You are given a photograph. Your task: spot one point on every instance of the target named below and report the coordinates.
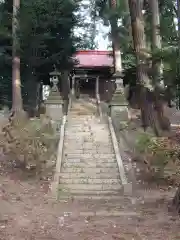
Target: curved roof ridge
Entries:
(94, 58)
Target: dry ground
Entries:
(28, 212)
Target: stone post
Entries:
(77, 88)
(119, 105)
(97, 86)
(73, 87)
(54, 102)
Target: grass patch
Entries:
(161, 155)
(29, 145)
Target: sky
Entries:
(102, 36)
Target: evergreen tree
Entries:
(45, 36)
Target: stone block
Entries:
(120, 112)
(54, 111)
(127, 189)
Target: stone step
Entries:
(80, 129)
(88, 197)
(88, 145)
(89, 139)
(54, 101)
(103, 133)
(88, 125)
(73, 115)
(87, 142)
(90, 192)
(83, 121)
(78, 135)
(74, 112)
(89, 156)
(89, 181)
(110, 213)
(91, 135)
(81, 132)
(90, 187)
(92, 132)
(89, 170)
(91, 149)
(86, 161)
(54, 97)
(87, 164)
(77, 175)
(81, 151)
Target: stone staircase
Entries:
(89, 167)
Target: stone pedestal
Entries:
(54, 105)
(118, 105)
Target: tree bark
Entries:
(148, 114)
(178, 67)
(164, 123)
(156, 37)
(115, 40)
(31, 88)
(127, 21)
(17, 105)
(65, 90)
(176, 200)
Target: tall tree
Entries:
(156, 37)
(143, 81)
(157, 66)
(45, 37)
(16, 81)
(178, 51)
(115, 37)
(176, 199)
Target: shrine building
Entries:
(93, 72)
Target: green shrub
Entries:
(158, 151)
(29, 144)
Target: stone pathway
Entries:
(89, 167)
(89, 172)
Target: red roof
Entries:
(93, 58)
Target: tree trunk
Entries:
(127, 22)
(17, 105)
(115, 40)
(164, 123)
(65, 90)
(178, 62)
(176, 200)
(148, 115)
(30, 92)
(156, 38)
(40, 99)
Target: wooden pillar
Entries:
(73, 86)
(97, 86)
(77, 88)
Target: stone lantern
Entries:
(119, 105)
(54, 102)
